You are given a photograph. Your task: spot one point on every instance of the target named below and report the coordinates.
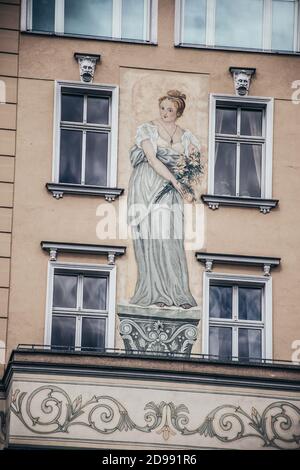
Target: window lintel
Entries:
(54, 248)
(209, 259)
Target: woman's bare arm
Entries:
(159, 167)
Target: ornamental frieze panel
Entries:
(50, 410)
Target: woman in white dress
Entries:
(162, 267)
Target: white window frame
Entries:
(112, 154)
(210, 27)
(150, 20)
(267, 156)
(79, 268)
(244, 280)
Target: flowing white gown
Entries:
(157, 227)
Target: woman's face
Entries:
(168, 111)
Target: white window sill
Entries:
(93, 38)
(58, 190)
(237, 49)
(264, 205)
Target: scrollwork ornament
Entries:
(158, 336)
(50, 410)
(228, 423)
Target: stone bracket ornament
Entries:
(53, 254)
(213, 205)
(111, 257)
(208, 265)
(87, 65)
(158, 330)
(267, 270)
(242, 79)
(158, 336)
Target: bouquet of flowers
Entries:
(187, 171)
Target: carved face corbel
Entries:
(242, 80)
(87, 65)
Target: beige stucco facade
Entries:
(9, 40)
(29, 66)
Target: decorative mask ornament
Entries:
(242, 78)
(87, 65)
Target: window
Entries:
(240, 155)
(132, 20)
(81, 308)
(237, 317)
(86, 137)
(249, 24)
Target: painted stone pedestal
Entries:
(154, 329)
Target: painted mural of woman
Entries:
(159, 146)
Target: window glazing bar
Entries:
(83, 157)
(59, 26)
(267, 25)
(147, 14)
(238, 165)
(210, 22)
(28, 6)
(117, 19)
(296, 27)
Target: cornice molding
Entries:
(209, 259)
(153, 368)
(54, 248)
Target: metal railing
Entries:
(164, 355)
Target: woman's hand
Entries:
(188, 197)
(178, 186)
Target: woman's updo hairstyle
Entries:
(178, 98)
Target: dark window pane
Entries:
(93, 333)
(239, 23)
(249, 344)
(98, 110)
(88, 17)
(72, 108)
(220, 302)
(65, 291)
(133, 19)
(63, 331)
(220, 342)
(250, 170)
(283, 24)
(250, 303)
(251, 122)
(225, 169)
(194, 22)
(96, 158)
(226, 121)
(43, 15)
(70, 156)
(94, 293)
